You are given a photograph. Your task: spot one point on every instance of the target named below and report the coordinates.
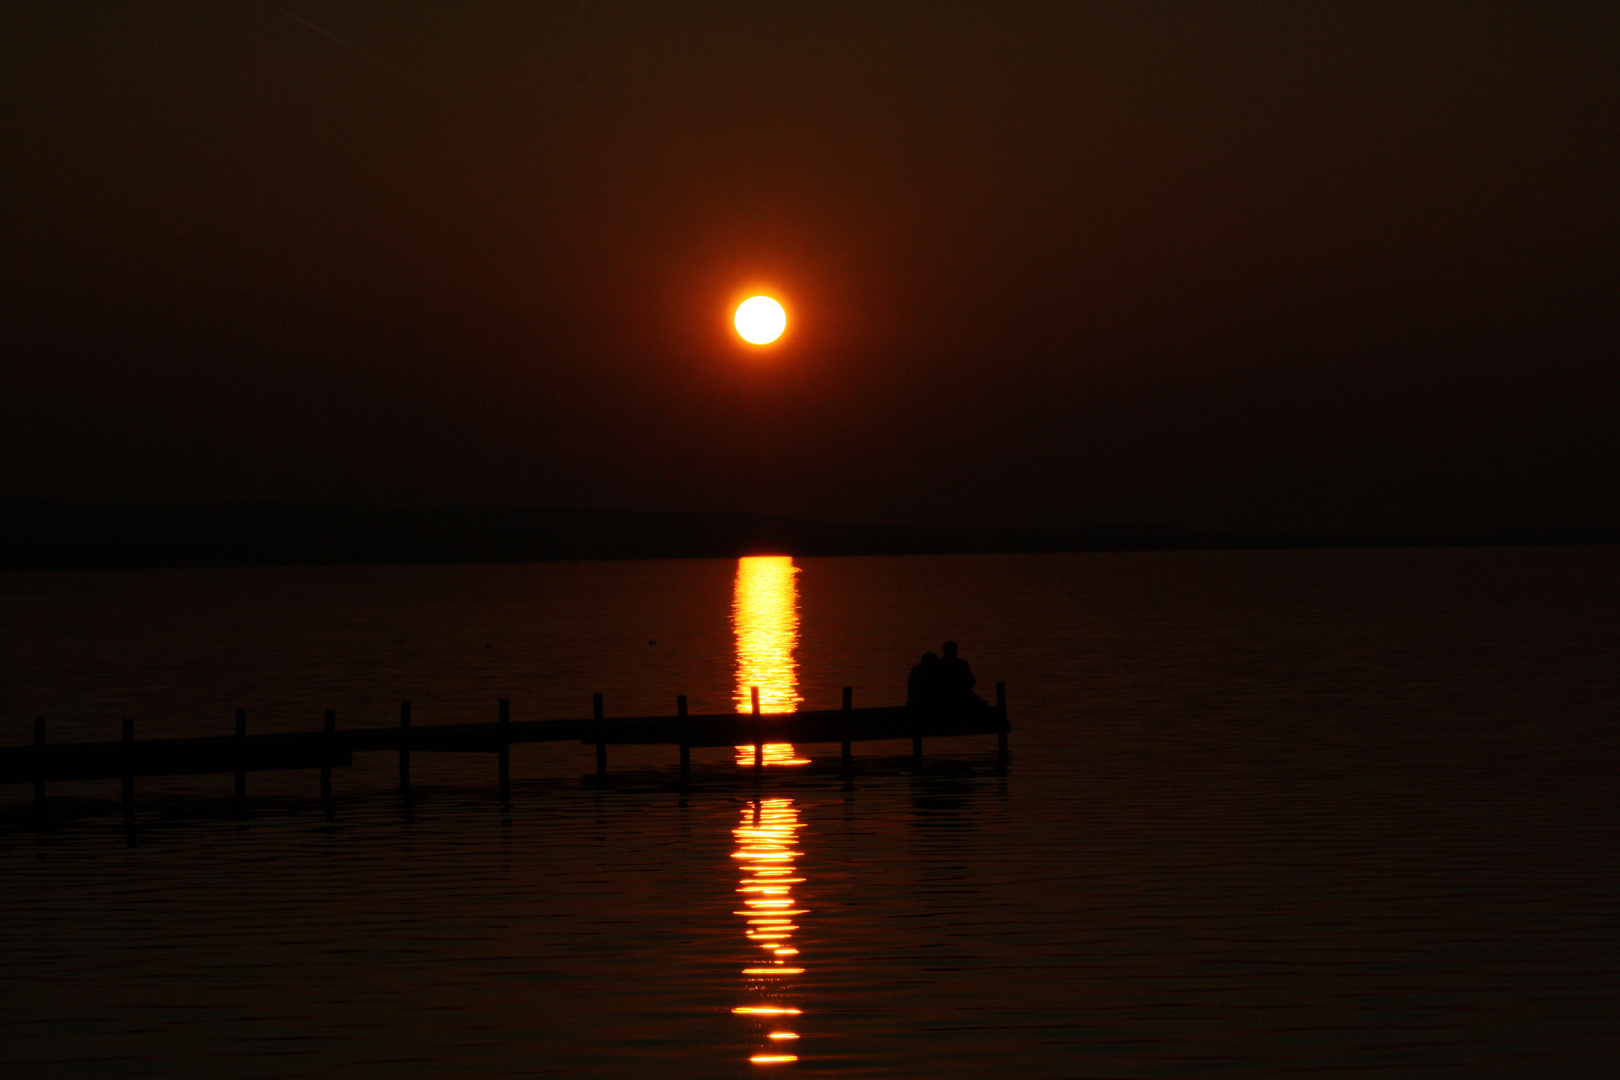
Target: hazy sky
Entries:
(1291, 265)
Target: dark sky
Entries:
(1267, 266)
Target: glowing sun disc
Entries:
(760, 320)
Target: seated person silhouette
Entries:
(925, 688)
(944, 684)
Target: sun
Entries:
(760, 320)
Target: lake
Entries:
(1266, 813)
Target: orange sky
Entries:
(1255, 266)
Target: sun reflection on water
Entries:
(765, 617)
(766, 848)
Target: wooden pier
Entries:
(331, 747)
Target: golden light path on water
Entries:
(765, 618)
(766, 840)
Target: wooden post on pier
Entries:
(1001, 713)
(39, 764)
(504, 768)
(759, 740)
(601, 747)
(329, 731)
(844, 756)
(686, 743)
(129, 768)
(405, 747)
(241, 762)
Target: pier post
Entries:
(844, 756)
(759, 741)
(39, 764)
(601, 747)
(129, 768)
(241, 762)
(405, 747)
(916, 751)
(686, 743)
(1001, 711)
(329, 733)
(504, 768)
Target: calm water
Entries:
(1266, 814)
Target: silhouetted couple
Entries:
(943, 684)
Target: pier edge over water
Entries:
(241, 753)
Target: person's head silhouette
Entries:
(950, 650)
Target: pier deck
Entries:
(331, 747)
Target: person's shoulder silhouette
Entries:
(957, 679)
(958, 675)
(925, 685)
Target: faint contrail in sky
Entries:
(327, 33)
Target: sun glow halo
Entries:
(760, 320)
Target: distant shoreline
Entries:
(39, 534)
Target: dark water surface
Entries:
(1266, 814)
